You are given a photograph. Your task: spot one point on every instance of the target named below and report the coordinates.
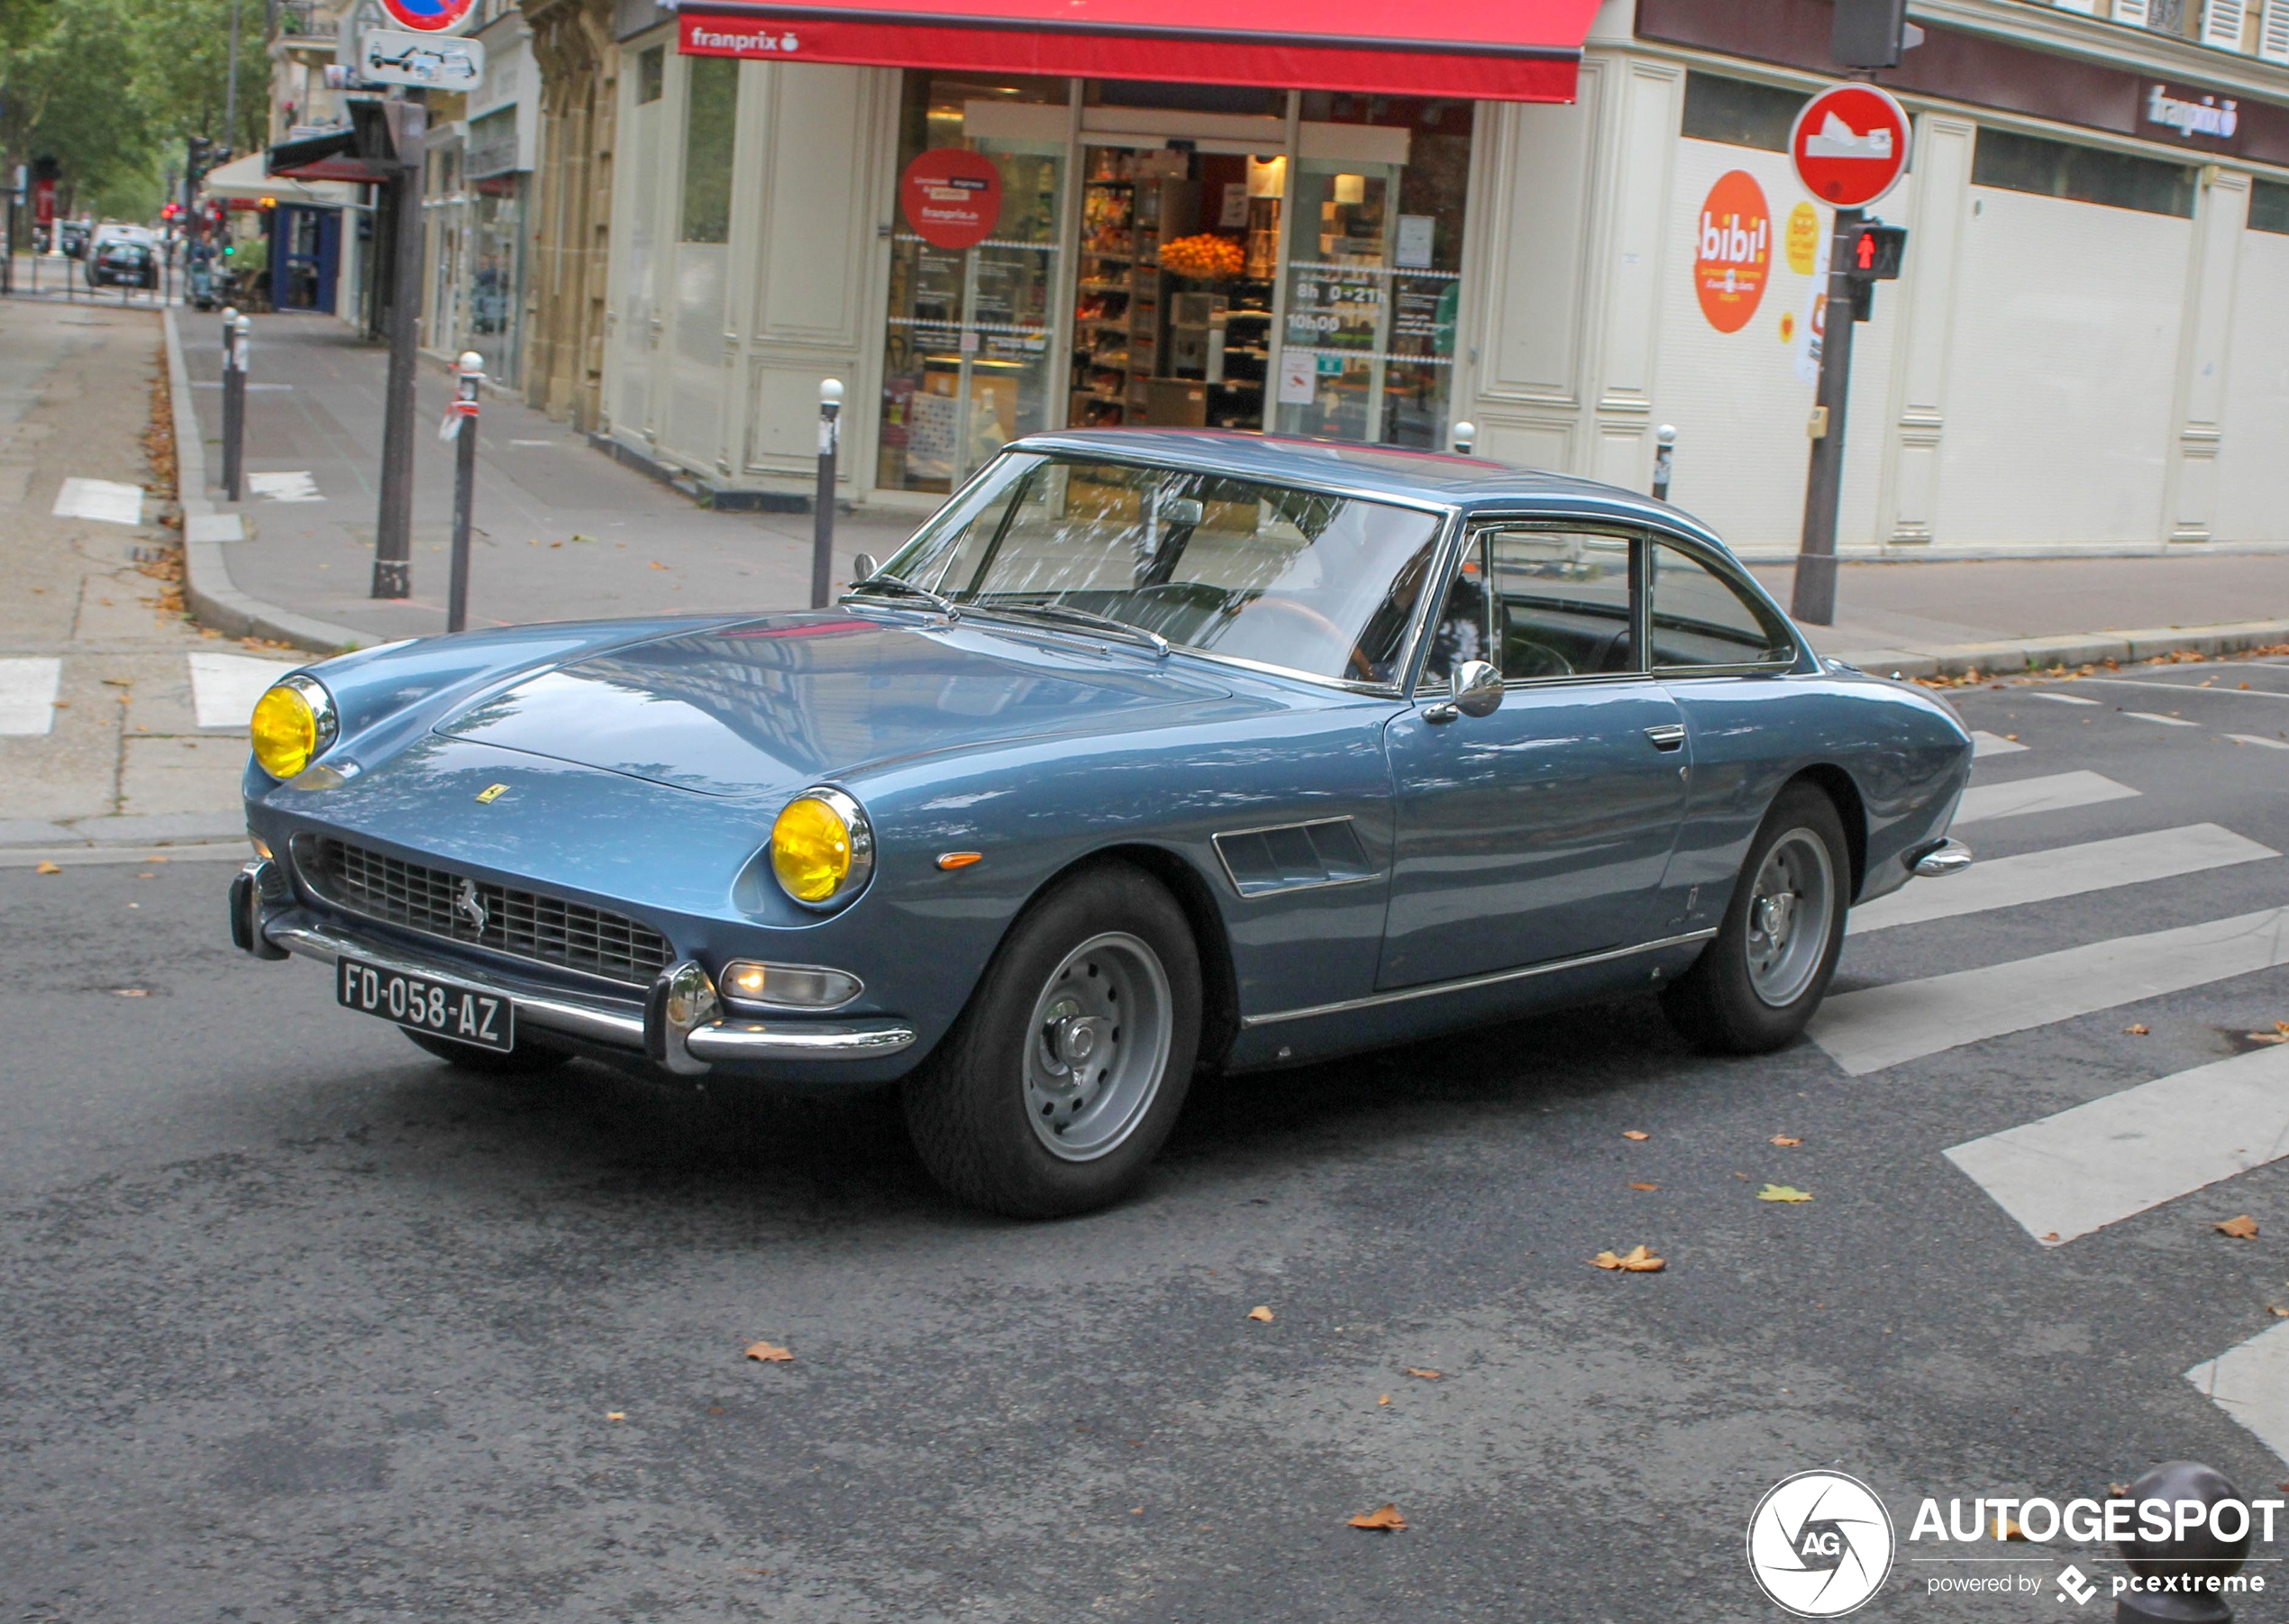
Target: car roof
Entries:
(1473, 484)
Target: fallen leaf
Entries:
(656, 564)
(1384, 1400)
(615, 1415)
(1428, 1375)
(2139, 1030)
(2013, 737)
(766, 1353)
(2118, 1491)
(1261, 1312)
(1784, 1142)
(2053, 1235)
(2279, 1034)
(1783, 1192)
(2242, 1228)
(131, 992)
(1631, 1132)
(1645, 1186)
(2277, 1311)
(48, 868)
(2012, 1531)
(1635, 1261)
(1383, 1518)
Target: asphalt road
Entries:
(301, 1325)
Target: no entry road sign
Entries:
(1850, 144)
(431, 16)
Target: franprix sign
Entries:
(1850, 145)
(952, 198)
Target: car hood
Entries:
(774, 704)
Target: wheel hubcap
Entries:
(1790, 912)
(1099, 1046)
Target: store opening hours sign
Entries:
(1850, 144)
(1733, 253)
(952, 198)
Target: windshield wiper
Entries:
(892, 585)
(1103, 622)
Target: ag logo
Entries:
(1820, 1544)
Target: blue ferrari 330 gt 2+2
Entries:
(1152, 754)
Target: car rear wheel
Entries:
(1056, 1088)
(526, 1060)
(1759, 981)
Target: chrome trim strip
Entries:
(1467, 983)
(618, 1024)
(759, 1040)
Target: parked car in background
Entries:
(123, 257)
(1153, 751)
(75, 237)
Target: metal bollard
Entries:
(2185, 1564)
(830, 436)
(1465, 435)
(460, 420)
(235, 342)
(1663, 460)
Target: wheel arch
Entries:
(1836, 784)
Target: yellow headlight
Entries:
(286, 731)
(821, 847)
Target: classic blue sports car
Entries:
(1151, 753)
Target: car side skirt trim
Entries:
(1402, 995)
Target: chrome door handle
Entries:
(1668, 736)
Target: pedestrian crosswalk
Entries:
(2074, 1173)
(28, 695)
(224, 689)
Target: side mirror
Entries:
(1473, 690)
(864, 568)
(1182, 512)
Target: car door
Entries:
(1541, 830)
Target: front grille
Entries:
(525, 925)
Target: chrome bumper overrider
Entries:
(1938, 861)
(640, 1024)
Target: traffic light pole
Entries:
(1813, 600)
(394, 523)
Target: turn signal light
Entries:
(787, 986)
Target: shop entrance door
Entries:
(1173, 289)
(309, 251)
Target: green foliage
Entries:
(113, 88)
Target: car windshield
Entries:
(1283, 576)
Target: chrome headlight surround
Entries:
(857, 831)
(325, 717)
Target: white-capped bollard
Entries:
(830, 438)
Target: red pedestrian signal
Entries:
(1876, 251)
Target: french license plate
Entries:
(427, 1005)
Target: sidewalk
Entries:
(565, 532)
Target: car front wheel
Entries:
(1058, 1085)
(1757, 983)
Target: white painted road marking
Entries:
(1881, 1026)
(2061, 698)
(1992, 743)
(2258, 738)
(297, 487)
(114, 504)
(2148, 715)
(2053, 793)
(2251, 1385)
(225, 687)
(28, 695)
(213, 527)
(2061, 872)
(2098, 1163)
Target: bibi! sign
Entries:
(1733, 250)
(1850, 144)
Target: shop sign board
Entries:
(431, 16)
(952, 198)
(1733, 253)
(387, 57)
(1850, 144)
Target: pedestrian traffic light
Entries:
(1875, 253)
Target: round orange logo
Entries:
(1733, 251)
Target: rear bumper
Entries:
(268, 922)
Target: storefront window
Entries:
(495, 281)
(966, 361)
(1374, 269)
(710, 117)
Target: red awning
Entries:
(1512, 51)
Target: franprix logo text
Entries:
(740, 42)
(2210, 116)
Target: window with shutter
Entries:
(2273, 32)
(2088, 8)
(2130, 12)
(2221, 23)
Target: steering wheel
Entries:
(1360, 666)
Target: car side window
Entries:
(1559, 604)
(1700, 619)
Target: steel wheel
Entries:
(1100, 1046)
(1789, 914)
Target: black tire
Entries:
(1717, 1004)
(528, 1058)
(969, 1106)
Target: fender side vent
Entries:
(1293, 857)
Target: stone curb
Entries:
(214, 598)
(2041, 654)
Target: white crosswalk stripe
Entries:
(1984, 744)
(2061, 871)
(104, 499)
(2148, 716)
(2060, 699)
(2250, 1382)
(28, 695)
(225, 687)
(2258, 738)
(1881, 1027)
(2099, 1162)
(2053, 793)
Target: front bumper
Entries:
(268, 922)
